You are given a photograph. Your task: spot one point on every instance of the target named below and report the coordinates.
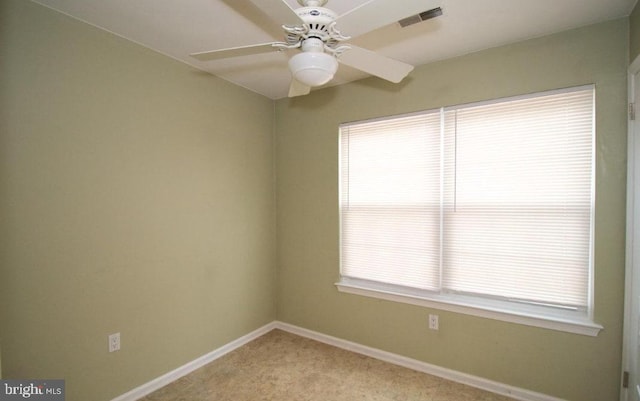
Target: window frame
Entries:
(531, 314)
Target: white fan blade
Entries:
(235, 52)
(375, 64)
(297, 88)
(279, 11)
(378, 13)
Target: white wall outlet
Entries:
(433, 322)
(114, 342)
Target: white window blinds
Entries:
(390, 200)
(488, 200)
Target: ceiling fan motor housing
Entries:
(317, 19)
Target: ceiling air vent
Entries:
(423, 16)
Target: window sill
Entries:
(481, 308)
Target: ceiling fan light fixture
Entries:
(313, 30)
(313, 68)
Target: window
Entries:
(484, 208)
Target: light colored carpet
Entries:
(280, 366)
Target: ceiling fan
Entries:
(312, 29)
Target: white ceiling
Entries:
(177, 28)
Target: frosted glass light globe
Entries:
(313, 68)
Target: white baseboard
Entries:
(455, 376)
(184, 370)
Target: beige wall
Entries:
(135, 197)
(569, 366)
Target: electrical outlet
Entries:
(114, 342)
(433, 322)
